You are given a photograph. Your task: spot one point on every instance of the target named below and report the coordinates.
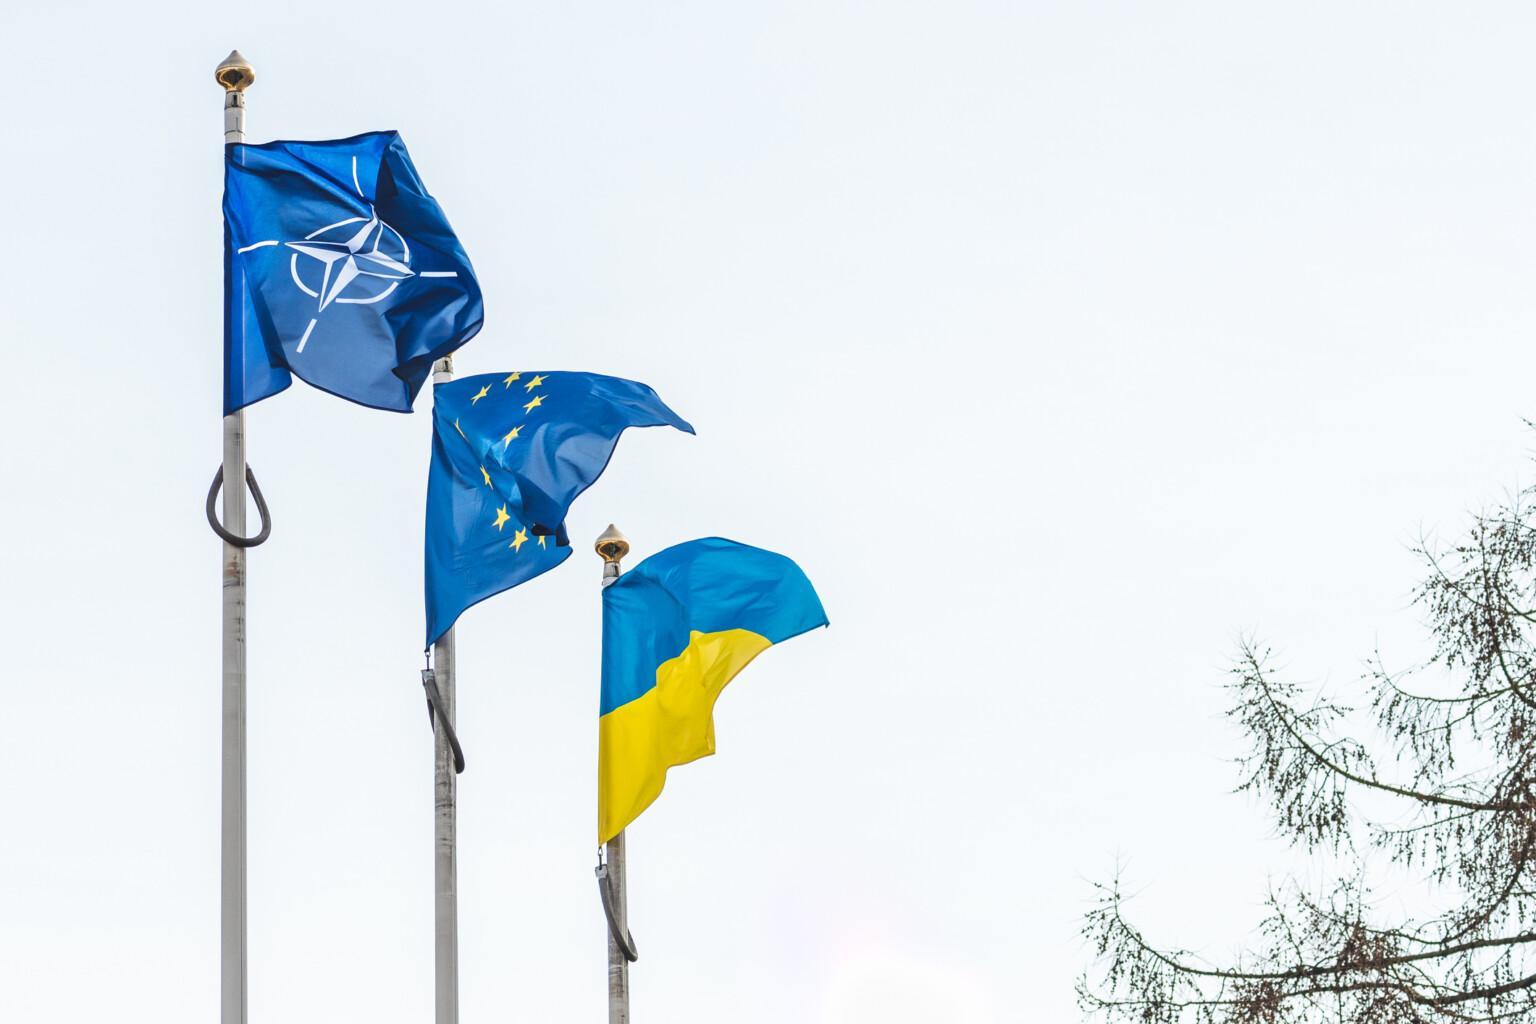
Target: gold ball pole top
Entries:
(611, 545)
(235, 74)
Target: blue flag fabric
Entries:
(340, 268)
(510, 453)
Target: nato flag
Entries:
(338, 267)
(510, 453)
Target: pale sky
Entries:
(1061, 344)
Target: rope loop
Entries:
(434, 703)
(621, 936)
(261, 508)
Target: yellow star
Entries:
(518, 540)
(541, 540)
(538, 400)
(507, 381)
(537, 380)
(482, 394)
(486, 475)
(501, 517)
(459, 429)
(512, 434)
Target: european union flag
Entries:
(510, 453)
(338, 267)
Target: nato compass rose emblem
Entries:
(356, 261)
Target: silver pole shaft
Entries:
(445, 869)
(232, 908)
(618, 964)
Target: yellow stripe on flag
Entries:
(670, 724)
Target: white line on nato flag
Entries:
(257, 245)
(305, 340)
(438, 273)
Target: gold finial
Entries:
(235, 74)
(611, 545)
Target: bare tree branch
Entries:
(1471, 831)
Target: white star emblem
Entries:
(349, 259)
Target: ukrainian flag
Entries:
(676, 629)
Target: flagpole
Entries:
(612, 547)
(235, 74)
(445, 870)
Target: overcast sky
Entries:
(1061, 344)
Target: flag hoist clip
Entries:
(261, 508)
(435, 701)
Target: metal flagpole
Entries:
(235, 74)
(612, 546)
(445, 871)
